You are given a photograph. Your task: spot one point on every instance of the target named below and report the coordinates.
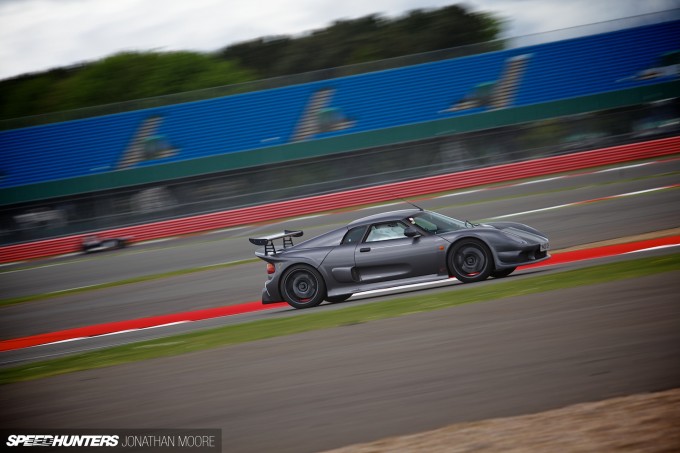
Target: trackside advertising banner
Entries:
(113, 440)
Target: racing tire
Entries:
(503, 272)
(302, 287)
(338, 299)
(470, 261)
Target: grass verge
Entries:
(127, 281)
(316, 320)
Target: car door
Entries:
(338, 266)
(387, 254)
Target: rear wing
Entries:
(268, 241)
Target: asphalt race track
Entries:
(358, 383)
(363, 382)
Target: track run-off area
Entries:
(364, 379)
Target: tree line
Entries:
(137, 75)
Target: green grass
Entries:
(127, 281)
(321, 319)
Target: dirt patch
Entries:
(645, 423)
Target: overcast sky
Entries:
(36, 35)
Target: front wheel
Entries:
(470, 261)
(303, 287)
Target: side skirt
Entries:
(392, 284)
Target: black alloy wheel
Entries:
(303, 287)
(470, 260)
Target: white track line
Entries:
(460, 193)
(549, 208)
(227, 230)
(658, 247)
(110, 334)
(380, 206)
(577, 203)
(630, 194)
(540, 181)
(625, 167)
(314, 216)
(156, 241)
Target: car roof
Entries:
(385, 217)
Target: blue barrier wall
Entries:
(422, 93)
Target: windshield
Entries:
(436, 223)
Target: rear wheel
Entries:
(470, 261)
(503, 272)
(303, 287)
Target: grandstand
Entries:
(413, 104)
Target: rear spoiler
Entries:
(268, 241)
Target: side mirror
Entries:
(412, 232)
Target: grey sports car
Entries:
(390, 249)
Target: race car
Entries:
(392, 249)
(94, 243)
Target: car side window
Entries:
(386, 231)
(425, 225)
(354, 235)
